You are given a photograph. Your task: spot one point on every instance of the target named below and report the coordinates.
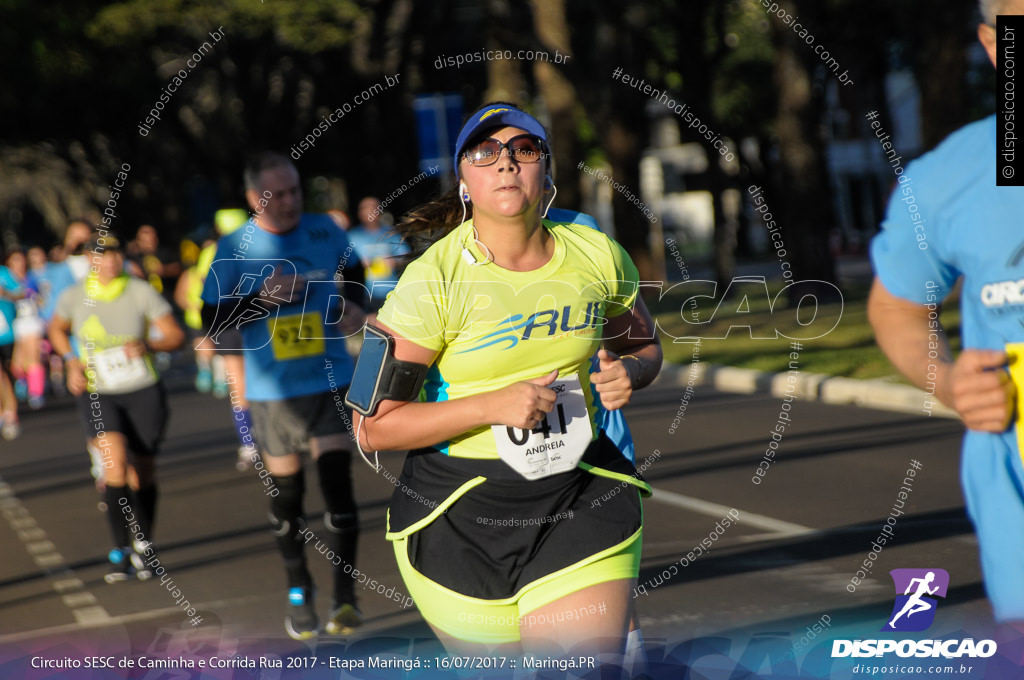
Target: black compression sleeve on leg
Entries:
(286, 521)
(146, 497)
(341, 519)
(116, 498)
(335, 471)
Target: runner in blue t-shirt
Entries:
(49, 279)
(10, 291)
(381, 249)
(947, 220)
(292, 285)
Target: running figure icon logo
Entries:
(914, 610)
(273, 283)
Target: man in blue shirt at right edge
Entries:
(947, 219)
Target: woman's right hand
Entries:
(524, 404)
(75, 376)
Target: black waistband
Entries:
(602, 452)
(429, 478)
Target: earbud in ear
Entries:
(548, 182)
(464, 190)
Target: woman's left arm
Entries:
(631, 357)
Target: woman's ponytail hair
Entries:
(422, 226)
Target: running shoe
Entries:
(244, 460)
(138, 562)
(11, 429)
(120, 565)
(204, 380)
(36, 403)
(343, 620)
(220, 389)
(162, 361)
(301, 622)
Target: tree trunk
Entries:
(941, 71)
(624, 147)
(559, 96)
(804, 207)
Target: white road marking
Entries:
(68, 585)
(80, 601)
(23, 523)
(777, 527)
(50, 560)
(35, 534)
(90, 616)
(40, 547)
(102, 619)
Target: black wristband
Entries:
(639, 368)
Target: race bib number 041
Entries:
(557, 443)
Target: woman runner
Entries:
(492, 519)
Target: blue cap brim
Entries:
(492, 117)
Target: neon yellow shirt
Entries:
(196, 280)
(492, 327)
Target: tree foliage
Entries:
(88, 72)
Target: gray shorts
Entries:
(285, 426)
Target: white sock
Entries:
(218, 368)
(97, 460)
(634, 661)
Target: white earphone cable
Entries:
(376, 454)
(554, 192)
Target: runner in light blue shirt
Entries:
(381, 250)
(948, 221)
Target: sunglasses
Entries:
(521, 148)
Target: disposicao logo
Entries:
(914, 610)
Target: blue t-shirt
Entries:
(8, 310)
(291, 349)
(377, 250)
(49, 282)
(948, 220)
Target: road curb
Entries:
(878, 394)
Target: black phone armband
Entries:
(379, 375)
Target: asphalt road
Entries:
(802, 533)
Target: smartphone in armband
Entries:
(379, 375)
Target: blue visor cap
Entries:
(497, 116)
